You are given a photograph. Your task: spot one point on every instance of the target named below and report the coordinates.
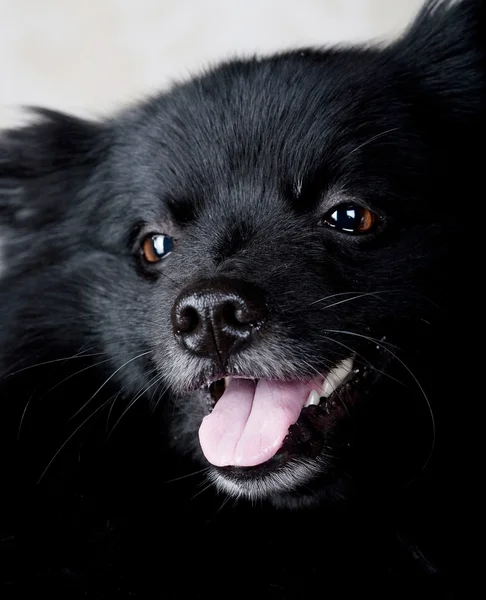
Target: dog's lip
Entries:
(229, 374)
(320, 385)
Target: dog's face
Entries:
(283, 263)
(264, 247)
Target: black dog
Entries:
(250, 288)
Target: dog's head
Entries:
(270, 245)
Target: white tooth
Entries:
(337, 376)
(312, 399)
(226, 382)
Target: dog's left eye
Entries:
(155, 247)
(351, 218)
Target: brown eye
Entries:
(351, 219)
(155, 247)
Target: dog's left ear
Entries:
(442, 58)
(44, 165)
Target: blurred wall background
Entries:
(92, 56)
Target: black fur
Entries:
(100, 405)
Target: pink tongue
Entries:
(250, 421)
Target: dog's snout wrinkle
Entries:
(214, 317)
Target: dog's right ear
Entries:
(443, 56)
(44, 166)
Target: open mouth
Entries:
(252, 421)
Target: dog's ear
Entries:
(443, 58)
(44, 165)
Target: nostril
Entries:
(229, 314)
(237, 314)
(187, 320)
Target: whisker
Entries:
(188, 475)
(328, 363)
(53, 388)
(132, 402)
(372, 139)
(145, 374)
(338, 393)
(101, 362)
(204, 489)
(55, 360)
(355, 297)
(223, 504)
(108, 379)
(23, 414)
(110, 410)
(365, 360)
(63, 445)
(160, 395)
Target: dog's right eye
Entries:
(350, 218)
(156, 246)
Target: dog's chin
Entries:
(281, 482)
(306, 466)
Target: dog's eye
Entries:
(350, 218)
(157, 246)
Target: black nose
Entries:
(213, 317)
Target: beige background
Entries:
(92, 56)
